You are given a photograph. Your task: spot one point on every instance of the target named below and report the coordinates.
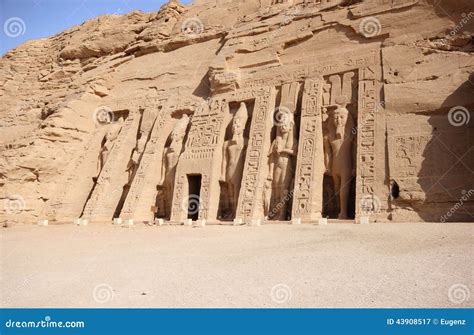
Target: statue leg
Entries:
(337, 188)
(102, 159)
(344, 195)
(279, 189)
(286, 195)
(168, 194)
(233, 194)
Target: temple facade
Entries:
(297, 111)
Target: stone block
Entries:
(364, 220)
(238, 222)
(200, 223)
(296, 221)
(43, 222)
(255, 223)
(128, 223)
(323, 222)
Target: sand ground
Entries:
(339, 265)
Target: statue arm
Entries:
(272, 148)
(327, 155)
(295, 147)
(271, 168)
(294, 150)
(291, 152)
(224, 163)
(99, 163)
(163, 169)
(271, 162)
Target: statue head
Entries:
(286, 120)
(179, 130)
(240, 120)
(340, 117)
(342, 120)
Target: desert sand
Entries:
(272, 266)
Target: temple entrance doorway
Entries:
(194, 199)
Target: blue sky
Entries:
(23, 20)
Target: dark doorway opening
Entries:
(395, 190)
(194, 199)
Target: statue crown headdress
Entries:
(181, 125)
(242, 114)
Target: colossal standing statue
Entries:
(108, 143)
(135, 158)
(233, 157)
(171, 156)
(282, 158)
(339, 153)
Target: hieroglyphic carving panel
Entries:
(205, 196)
(346, 62)
(414, 158)
(307, 203)
(201, 156)
(366, 134)
(203, 136)
(179, 208)
(250, 204)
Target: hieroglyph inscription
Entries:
(307, 202)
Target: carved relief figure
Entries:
(135, 158)
(282, 158)
(171, 156)
(233, 157)
(339, 153)
(108, 143)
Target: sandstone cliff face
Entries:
(412, 63)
